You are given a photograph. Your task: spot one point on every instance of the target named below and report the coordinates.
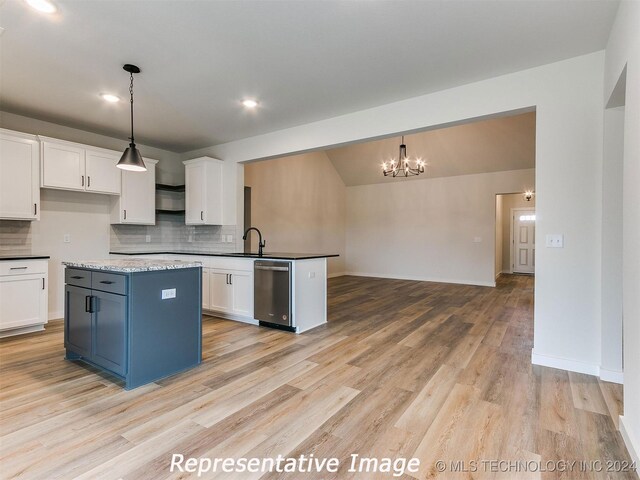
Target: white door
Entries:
(102, 174)
(62, 166)
(138, 197)
(19, 178)
(524, 247)
(242, 288)
(206, 289)
(220, 289)
(195, 184)
(22, 301)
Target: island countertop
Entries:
(132, 265)
(265, 256)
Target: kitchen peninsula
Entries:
(230, 286)
(139, 319)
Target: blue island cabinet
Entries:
(140, 326)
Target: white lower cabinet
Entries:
(230, 291)
(23, 296)
(242, 293)
(220, 288)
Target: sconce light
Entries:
(528, 195)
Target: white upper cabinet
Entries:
(204, 191)
(72, 166)
(19, 176)
(137, 201)
(102, 174)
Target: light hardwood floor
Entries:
(402, 369)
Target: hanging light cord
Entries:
(131, 93)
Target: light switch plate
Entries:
(554, 240)
(66, 238)
(477, 239)
(229, 238)
(168, 293)
(312, 274)
(147, 238)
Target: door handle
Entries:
(227, 279)
(125, 214)
(35, 208)
(231, 279)
(43, 283)
(82, 180)
(88, 181)
(201, 215)
(87, 303)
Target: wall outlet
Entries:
(168, 293)
(312, 274)
(190, 239)
(554, 240)
(229, 238)
(147, 238)
(66, 238)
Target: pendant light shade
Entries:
(131, 159)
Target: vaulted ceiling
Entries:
(494, 145)
(303, 60)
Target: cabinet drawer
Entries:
(109, 282)
(77, 277)
(23, 267)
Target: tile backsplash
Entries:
(171, 234)
(15, 237)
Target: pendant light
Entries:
(131, 159)
(403, 167)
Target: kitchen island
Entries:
(138, 319)
(229, 283)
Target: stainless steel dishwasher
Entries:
(272, 294)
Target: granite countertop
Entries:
(132, 265)
(266, 256)
(23, 257)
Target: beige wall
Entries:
(298, 203)
(515, 200)
(440, 229)
(498, 250)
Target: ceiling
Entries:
(498, 144)
(304, 60)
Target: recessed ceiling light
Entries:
(110, 98)
(44, 6)
(250, 103)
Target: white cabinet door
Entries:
(62, 166)
(137, 203)
(102, 174)
(23, 301)
(242, 293)
(220, 289)
(206, 288)
(19, 177)
(195, 184)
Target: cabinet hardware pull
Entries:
(88, 181)
(35, 208)
(201, 215)
(231, 279)
(82, 177)
(106, 282)
(18, 268)
(87, 303)
(125, 214)
(43, 283)
(76, 277)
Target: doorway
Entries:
(523, 243)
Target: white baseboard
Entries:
(564, 364)
(612, 376)
(336, 274)
(630, 440)
(56, 315)
(422, 279)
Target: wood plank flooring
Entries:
(403, 369)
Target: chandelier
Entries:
(403, 167)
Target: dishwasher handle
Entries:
(275, 269)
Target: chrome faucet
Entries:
(261, 243)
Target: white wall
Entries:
(569, 106)
(498, 267)
(611, 367)
(425, 229)
(623, 49)
(299, 205)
